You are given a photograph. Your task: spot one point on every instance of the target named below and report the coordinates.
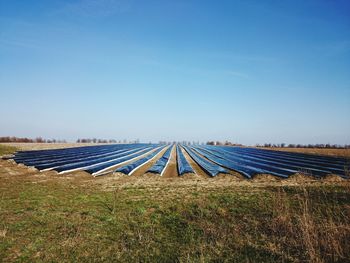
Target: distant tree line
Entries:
(181, 142)
(201, 143)
(95, 140)
(42, 140)
(318, 146)
(283, 145)
(28, 140)
(227, 143)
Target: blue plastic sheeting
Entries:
(269, 167)
(306, 157)
(162, 162)
(294, 157)
(322, 158)
(75, 152)
(29, 159)
(101, 168)
(299, 166)
(316, 163)
(32, 158)
(315, 167)
(183, 166)
(266, 166)
(247, 161)
(73, 156)
(127, 169)
(66, 150)
(210, 168)
(52, 153)
(45, 160)
(101, 161)
(79, 160)
(246, 170)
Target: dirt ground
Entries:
(9, 170)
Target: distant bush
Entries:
(315, 146)
(95, 140)
(227, 143)
(28, 140)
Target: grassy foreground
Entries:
(51, 218)
(64, 222)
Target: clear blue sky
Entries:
(245, 71)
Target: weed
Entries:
(69, 221)
(5, 149)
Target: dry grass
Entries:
(7, 149)
(117, 218)
(344, 153)
(49, 217)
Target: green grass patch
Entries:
(53, 221)
(5, 149)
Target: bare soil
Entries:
(171, 169)
(9, 170)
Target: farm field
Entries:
(175, 131)
(344, 153)
(202, 160)
(47, 216)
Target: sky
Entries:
(245, 71)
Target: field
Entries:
(45, 216)
(198, 159)
(345, 153)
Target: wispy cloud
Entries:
(97, 8)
